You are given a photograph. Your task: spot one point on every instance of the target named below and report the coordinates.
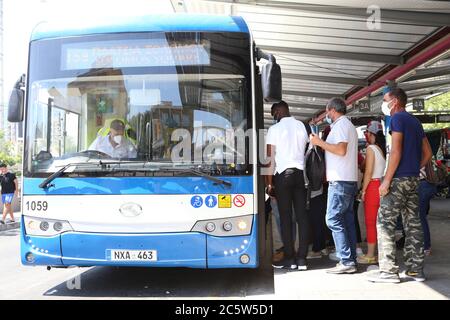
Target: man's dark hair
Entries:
(400, 95)
(272, 109)
(337, 104)
(3, 165)
(278, 105)
(117, 125)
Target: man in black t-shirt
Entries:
(8, 182)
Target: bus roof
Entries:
(161, 23)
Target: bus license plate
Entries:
(133, 255)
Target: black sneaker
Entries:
(342, 269)
(285, 264)
(414, 275)
(301, 265)
(384, 277)
(2, 222)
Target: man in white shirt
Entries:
(341, 156)
(286, 142)
(115, 144)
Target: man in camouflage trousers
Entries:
(399, 192)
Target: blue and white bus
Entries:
(157, 75)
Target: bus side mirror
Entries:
(271, 80)
(16, 101)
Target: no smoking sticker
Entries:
(239, 200)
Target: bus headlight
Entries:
(227, 226)
(31, 225)
(210, 227)
(45, 227)
(58, 226)
(29, 257)
(243, 223)
(245, 258)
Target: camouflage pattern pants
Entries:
(402, 199)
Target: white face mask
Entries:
(385, 108)
(117, 139)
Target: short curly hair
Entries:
(337, 104)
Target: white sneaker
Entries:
(333, 256)
(314, 255)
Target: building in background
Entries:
(12, 131)
(3, 119)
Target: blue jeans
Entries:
(340, 219)
(426, 192)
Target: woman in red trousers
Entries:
(374, 171)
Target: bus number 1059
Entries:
(37, 205)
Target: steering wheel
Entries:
(97, 154)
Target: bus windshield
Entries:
(152, 97)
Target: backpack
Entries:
(435, 174)
(314, 169)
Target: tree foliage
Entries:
(438, 103)
(9, 154)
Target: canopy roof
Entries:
(330, 48)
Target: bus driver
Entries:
(115, 144)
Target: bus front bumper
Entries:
(187, 249)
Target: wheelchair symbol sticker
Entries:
(210, 201)
(196, 201)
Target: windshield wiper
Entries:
(207, 176)
(201, 174)
(163, 166)
(46, 183)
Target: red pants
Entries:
(371, 206)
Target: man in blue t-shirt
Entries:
(410, 151)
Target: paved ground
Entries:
(317, 284)
(18, 282)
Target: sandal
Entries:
(367, 260)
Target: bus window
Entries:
(64, 132)
(157, 84)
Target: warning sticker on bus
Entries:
(224, 200)
(239, 200)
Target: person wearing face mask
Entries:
(341, 157)
(115, 144)
(279, 253)
(410, 150)
(374, 168)
(286, 144)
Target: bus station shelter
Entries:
(352, 49)
(348, 49)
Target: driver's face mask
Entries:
(118, 139)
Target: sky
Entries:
(21, 16)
